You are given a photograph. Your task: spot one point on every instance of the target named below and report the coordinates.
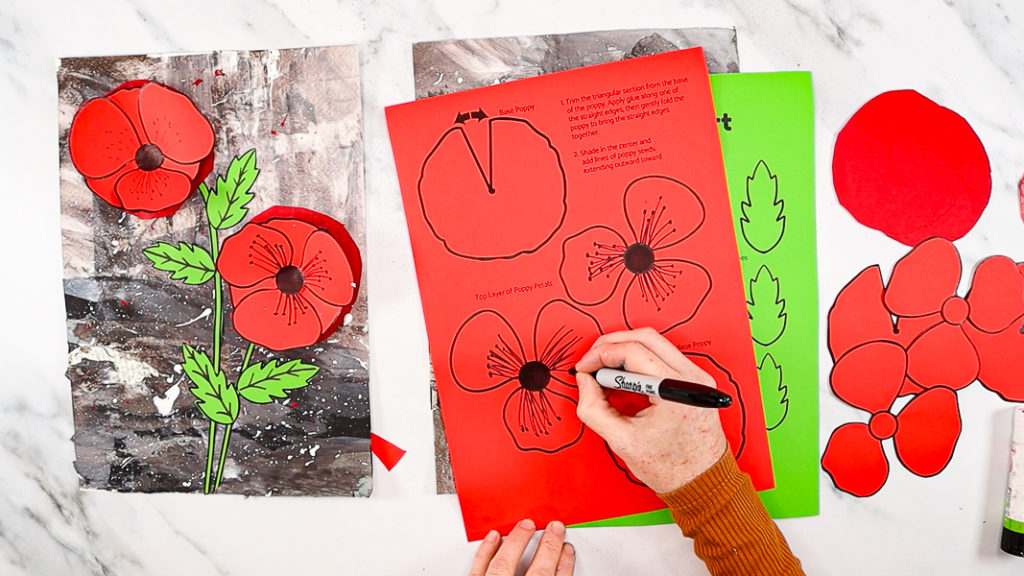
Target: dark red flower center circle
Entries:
(882, 425)
(289, 280)
(149, 157)
(639, 258)
(955, 310)
(534, 376)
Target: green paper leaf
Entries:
(226, 204)
(766, 307)
(261, 383)
(214, 396)
(763, 222)
(189, 263)
(774, 393)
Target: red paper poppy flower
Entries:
(950, 341)
(143, 148)
(293, 274)
(924, 432)
(540, 409)
(644, 253)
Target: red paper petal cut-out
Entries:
(929, 427)
(662, 211)
(541, 420)
(171, 121)
(923, 279)
(102, 139)
(486, 353)
(385, 451)
(855, 460)
(1002, 370)
(870, 376)
(592, 264)
(139, 190)
(472, 186)
(858, 315)
(265, 249)
(275, 320)
(997, 294)
(326, 270)
(942, 356)
(911, 169)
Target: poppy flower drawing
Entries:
(924, 432)
(292, 274)
(643, 255)
(489, 357)
(143, 147)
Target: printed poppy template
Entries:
(539, 411)
(643, 255)
(917, 337)
(142, 147)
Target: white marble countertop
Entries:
(965, 55)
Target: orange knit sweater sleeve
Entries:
(732, 532)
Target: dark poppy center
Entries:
(534, 376)
(149, 157)
(639, 258)
(289, 280)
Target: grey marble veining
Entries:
(963, 54)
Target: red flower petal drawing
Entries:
(858, 314)
(472, 185)
(143, 148)
(539, 411)
(869, 376)
(293, 274)
(1000, 356)
(644, 255)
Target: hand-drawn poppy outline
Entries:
(586, 258)
(293, 274)
(481, 231)
(925, 432)
(537, 378)
(142, 147)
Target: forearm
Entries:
(732, 532)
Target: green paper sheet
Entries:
(766, 124)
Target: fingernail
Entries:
(491, 536)
(556, 528)
(568, 549)
(528, 524)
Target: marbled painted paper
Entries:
(213, 226)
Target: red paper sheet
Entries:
(542, 213)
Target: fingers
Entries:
(644, 351)
(549, 550)
(484, 553)
(594, 409)
(567, 561)
(511, 550)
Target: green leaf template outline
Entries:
(763, 222)
(772, 387)
(766, 307)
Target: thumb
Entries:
(596, 412)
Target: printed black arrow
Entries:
(461, 117)
(479, 114)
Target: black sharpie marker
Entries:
(690, 393)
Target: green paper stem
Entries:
(209, 457)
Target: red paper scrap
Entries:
(385, 451)
(911, 169)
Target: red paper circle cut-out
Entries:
(911, 169)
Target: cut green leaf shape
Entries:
(766, 307)
(262, 383)
(214, 396)
(226, 203)
(189, 263)
(763, 222)
(774, 392)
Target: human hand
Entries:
(553, 555)
(667, 444)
